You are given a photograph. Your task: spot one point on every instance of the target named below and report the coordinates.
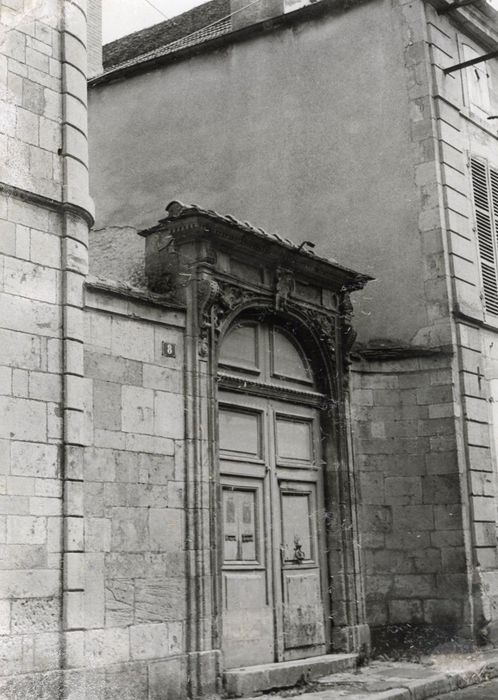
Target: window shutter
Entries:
(485, 204)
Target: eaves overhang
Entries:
(158, 58)
(191, 222)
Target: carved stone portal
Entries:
(223, 271)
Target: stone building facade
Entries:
(46, 211)
(192, 473)
(384, 153)
(112, 501)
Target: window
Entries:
(485, 194)
(477, 83)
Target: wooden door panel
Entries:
(241, 541)
(303, 610)
(247, 619)
(240, 433)
(274, 570)
(302, 603)
(294, 439)
(297, 537)
(247, 607)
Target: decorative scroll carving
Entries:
(207, 292)
(218, 299)
(284, 288)
(215, 301)
(230, 297)
(325, 328)
(347, 332)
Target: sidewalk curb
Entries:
(439, 685)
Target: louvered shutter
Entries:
(485, 205)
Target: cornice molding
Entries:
(283, 393)
(380, 353)
(46, 202)
(121, 289)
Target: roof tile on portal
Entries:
(177, 210)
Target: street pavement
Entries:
(438, 677)
(484, 691)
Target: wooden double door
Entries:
(274, 575)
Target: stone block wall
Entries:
(464, 132)
(413, 511)
(44, 214)
(134, 606)
(30, 440)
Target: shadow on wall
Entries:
(117, 253)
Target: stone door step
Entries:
(242, 682)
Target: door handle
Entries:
(299, 555)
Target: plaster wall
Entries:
(304, 130)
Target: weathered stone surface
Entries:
(137, 410)
(167, 679)
(149, 641)
(32, 459)
(166, 530)
(106, 646)
(106, 405)
(47, 651)
(35, 615)
(126, 682)
(108, 368)
(119, 602)
(94, 605)
(29, 584)
(124, 565)
(97, 535)
(23, 556)
(155, 469)
(159, 599)
(129, 530)
(94, 499)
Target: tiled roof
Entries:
(178, 210)
(200, 24)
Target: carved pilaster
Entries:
(207, 291)
(348, 334)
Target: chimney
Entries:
(264, 9)
(94, 40)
